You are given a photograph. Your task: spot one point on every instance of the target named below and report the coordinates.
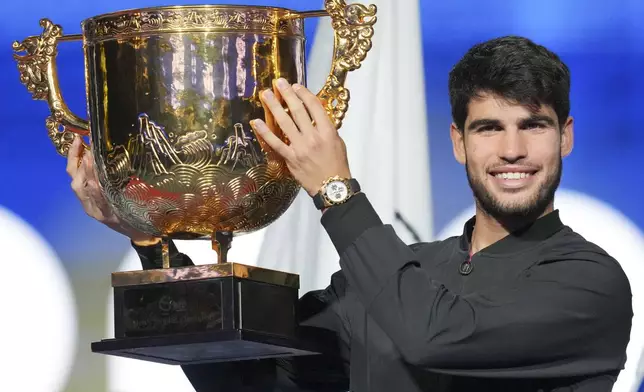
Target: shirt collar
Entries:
(534, 233)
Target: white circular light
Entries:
(39, 327)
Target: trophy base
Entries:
(210, 313)
(204, 347)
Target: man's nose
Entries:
(512, 147)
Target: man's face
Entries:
(512, 155)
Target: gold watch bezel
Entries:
(328, 202)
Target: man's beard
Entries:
(529, 209)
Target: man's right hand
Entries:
(80, 167)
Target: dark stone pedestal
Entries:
(210, 313)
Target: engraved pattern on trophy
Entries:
(38, 74)
(264, 20)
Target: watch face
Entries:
(337, 191)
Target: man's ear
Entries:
(567, 137)
(458, 143)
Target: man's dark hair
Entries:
(514, 68)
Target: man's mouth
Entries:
(513, 177)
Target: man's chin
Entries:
(511, 198)
(515, 201)
(514, 210)
(515, 206)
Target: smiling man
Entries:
(518, 302)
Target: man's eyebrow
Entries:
(537, 118)
(522, 123)
(483, 121)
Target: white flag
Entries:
(385, 131)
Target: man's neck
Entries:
(489, 230)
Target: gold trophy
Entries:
(171, 92)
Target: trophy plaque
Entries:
(170, 95)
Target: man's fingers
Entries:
(314, 107)
(73, 155)
(282, 118)
(80, 166)
(295, 106)
(271, 139)
(88, 163)
(79, 183)
(80, 179)
(88, 193)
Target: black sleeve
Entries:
(567, 317)
(321, 320)
(150, 256)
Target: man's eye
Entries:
(535, 125)
(489, 128)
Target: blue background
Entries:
(601, 41)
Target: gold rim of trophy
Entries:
(287, 14)
(290, 14)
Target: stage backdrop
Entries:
(58, 295)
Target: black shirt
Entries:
(540, 310)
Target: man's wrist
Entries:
(346, 222)
(334, 191)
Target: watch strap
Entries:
(318, 200)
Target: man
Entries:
(518, 302)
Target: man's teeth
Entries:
(512, 176)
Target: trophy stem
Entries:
(165, 252)
(221, 243)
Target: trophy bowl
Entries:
(170, 94)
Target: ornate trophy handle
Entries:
(353, 26)
(38, 73)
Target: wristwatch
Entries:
(334, 191)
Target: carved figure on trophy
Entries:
(155, 154)
(151, 149)
(239, 148)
